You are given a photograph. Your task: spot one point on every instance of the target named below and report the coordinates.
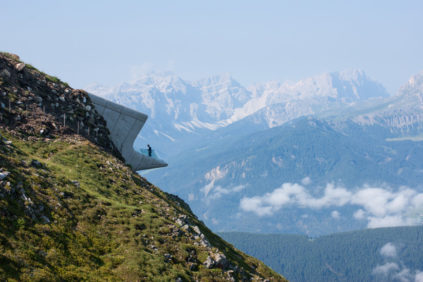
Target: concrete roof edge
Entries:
(117, 107)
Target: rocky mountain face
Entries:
(177, 110)
(38, 104)
(72, 210)
(182, 113)
(401, 114)
(279, 103)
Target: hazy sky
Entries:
(255, 41)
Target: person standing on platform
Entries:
(149, 150)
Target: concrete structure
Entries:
(124, 125)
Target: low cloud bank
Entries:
(381, 207)
(395, 270)
(389, 250)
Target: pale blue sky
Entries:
(255, 41)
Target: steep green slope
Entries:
(72, 210)
(350, 256)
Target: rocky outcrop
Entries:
(30, 100)
(37, 105)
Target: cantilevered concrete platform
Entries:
(124, 125)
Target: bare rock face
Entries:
(41, 106)
(5, 73)
(220, 260)
(209, 262)
(19, 66)
(4, 174)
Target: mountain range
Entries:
(330, 153)
(182, 111)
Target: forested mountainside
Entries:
(383, 254)
(307, 176)
(72, 210)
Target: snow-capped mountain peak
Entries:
(413, 86)
(178, 107)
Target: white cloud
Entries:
(332, 197)
(238, 188)
(359, 214)
(390, 221)
(254, 205)
(381, 207)
(306, 181)
(385, 269)
(379, 201)
(404, 275)
(395, 270)
(218, 192)
(335, 214)
(391, 271)
(191, 197)
(419, 276)
(388, 250)
(206, 189)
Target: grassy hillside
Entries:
(349, 256)
(72, 210)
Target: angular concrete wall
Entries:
(124, 125)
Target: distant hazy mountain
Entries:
(401, 114)
(279, 103)
(311, 175)
(383, 254)
(182, 112)
(295, 157)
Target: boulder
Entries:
(5, 73)
(140, 226)
(167, 257)
(193, 267)
(36, 164)
(209, 262)
(196, 229)
(4, 174)
(19, 66)
(220, 260)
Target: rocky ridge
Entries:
(39, 105)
